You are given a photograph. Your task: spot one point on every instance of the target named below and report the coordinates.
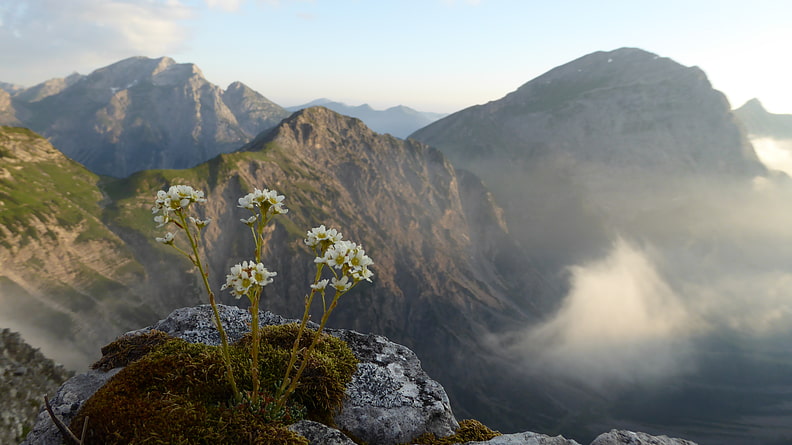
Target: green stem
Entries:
(254, 348)
(218, 321)
(281, 402)
(281, 395)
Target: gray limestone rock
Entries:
(390, 399)
(526, 438)
(65, 404)
(622, 437)
(320, 434)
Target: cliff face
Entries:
(144, 113)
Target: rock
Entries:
(622, 437)
(390, 399)
(26, 375)
(319, 434)
(65, 404)
(526, 438)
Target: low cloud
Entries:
(620, 322)
(774, 153)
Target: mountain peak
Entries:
(603, 70)
(753, 105)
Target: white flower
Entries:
(268, 200)
(338, 254)
(246, 201)
(275, 202)
(161, 220)
(167, 239)
(261, 275)
(200, 223)
(341, 285)
(358, 258)
(321, 285)
(250, 221)
(246, 275)
(177, 197)
(318, 234)
(362, 274)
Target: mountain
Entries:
(144, 113)
(66, 276)
(627, 175)
(761, 123)
(446, 270)
(572, 148)
(8, 114)
(399, 121)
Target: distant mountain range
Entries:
(400, 121)
(508, 224)
(141, 113)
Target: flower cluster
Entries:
(177, 198)
(321, 234)
(267, 200)
(246, 275)
(346, 256)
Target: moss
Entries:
(176, 392)
(470, 430)
(129, 348)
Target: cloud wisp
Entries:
(620, 321)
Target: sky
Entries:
(431, 55)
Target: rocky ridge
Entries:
(389, 401)
(142, 113)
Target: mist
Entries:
(776, 154)
(699, 259)
(620, 322)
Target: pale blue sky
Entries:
(432, 55)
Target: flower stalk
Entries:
(176, 203)
(347, 262)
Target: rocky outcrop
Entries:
(390, 400)
(619, 437)
(26, 376)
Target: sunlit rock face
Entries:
(143, 113)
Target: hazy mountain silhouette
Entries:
(399, 121)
